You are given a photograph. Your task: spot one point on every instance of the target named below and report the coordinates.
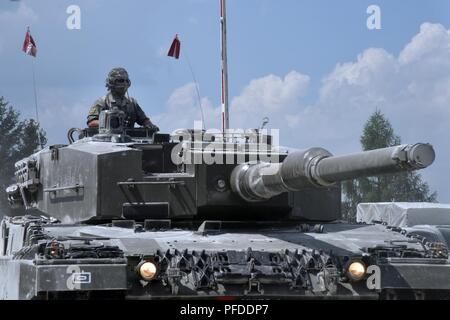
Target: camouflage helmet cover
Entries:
(118, 78)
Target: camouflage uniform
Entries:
(133, 111)
(118, 83)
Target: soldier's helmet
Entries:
(118, 79)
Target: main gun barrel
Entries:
(316, 167)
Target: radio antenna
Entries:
(224, 74)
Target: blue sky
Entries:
(312, 66)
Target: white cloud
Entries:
(370, 70)
(431, 44)
(411, 89)
(269, 96)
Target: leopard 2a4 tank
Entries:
(129, 213)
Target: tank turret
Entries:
(191, 175)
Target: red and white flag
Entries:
(29, 46)
(175, 48)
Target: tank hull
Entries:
(290, 261)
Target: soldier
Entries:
(118, 83)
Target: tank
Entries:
(130, 213)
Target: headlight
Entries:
(147, 270)
(356, 270)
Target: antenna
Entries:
(224, 75)
(29, 47)
(41, 146)
(197, 90)
(265, 122)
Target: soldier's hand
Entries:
(149, 125)
(154, 128)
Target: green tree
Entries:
(18, 139)
(401, 187)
